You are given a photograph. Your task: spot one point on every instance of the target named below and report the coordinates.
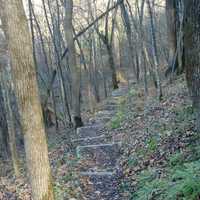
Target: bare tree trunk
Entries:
(192, 49)
(26, 88)
(174, 14)
(92, 77)
(75, 69)
(108, 41)
(56, 37)
(112, 66)
(172, 40)
(103, 71)
(93, 55)
(142, 42)
(5, 79)
(50, 91)
(155, 53)
(127, 25)
(4, 146)
(95, 72)
(11, 127)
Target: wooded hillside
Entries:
(99, 99)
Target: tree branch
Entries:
(92, 24)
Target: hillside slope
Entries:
(161, 153)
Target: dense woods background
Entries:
(61, 59)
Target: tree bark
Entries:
(128, 28)
(112, 66)
(11, 127)
(23, 69)
(192, 49)
(4, 146)
(155, 52)
(6, 88)
(171, 16)
(75, 69)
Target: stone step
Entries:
(120, 92)
(111, 107)
(98, 120)
(97, 173)
(111, 102)
(99, 156)
(91, 140)
(90, 131)
(103, 185)
(104, 113)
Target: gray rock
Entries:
(90, 140)
(89, 131)
(104, 185)
(101, 156)
(120, 92)
(102, 119)
(111, 107)
(104, 113)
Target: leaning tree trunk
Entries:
(192, 49)
(23, 69)
(75, 69)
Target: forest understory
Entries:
(99, 100)
(160, 155)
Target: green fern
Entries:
(117, 120)
(182, 183)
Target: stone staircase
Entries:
(98, 153)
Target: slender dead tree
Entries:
(155, 52)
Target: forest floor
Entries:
(160, 154)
